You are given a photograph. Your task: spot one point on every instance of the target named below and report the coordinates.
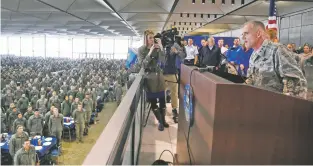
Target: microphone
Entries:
(208, 68)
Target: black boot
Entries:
(175, 115)
(163, 113)
(168, 99)
(157, 114)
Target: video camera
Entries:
(167, 37)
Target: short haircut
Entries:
(256, 24)
(18, 126)
(220, 39)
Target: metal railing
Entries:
(120, 141)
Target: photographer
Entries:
(149, 57)
(171, 75)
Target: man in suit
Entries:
(202, 51)
(213, 54)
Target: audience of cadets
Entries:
(36, 92)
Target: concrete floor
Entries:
(75, 153)
(154, 142)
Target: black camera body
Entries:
(167, 37)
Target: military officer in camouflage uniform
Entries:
(88, 105)
(272, 66)
(79, 116)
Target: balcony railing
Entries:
(120, 141)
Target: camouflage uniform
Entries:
(80, 119)
(275, 68)
(88, 106)
(24, 157)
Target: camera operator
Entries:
(149, 57)
(171, 75)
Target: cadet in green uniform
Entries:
(29, 112)
(74, 105)
(26, 155)
(56, 124)
(20, 121)
(23, 103)
(79, 116)
(66, 107)
(80, 94)
(36, 123)
(17, 140)
(87, 105)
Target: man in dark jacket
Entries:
(171, 77)
(213, 56)
(202, 51)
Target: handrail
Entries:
(110, 147)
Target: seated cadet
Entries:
(17, 140)
(26, 155)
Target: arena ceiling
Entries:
(132, 17)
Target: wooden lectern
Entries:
(242, 124)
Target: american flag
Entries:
(272, 22)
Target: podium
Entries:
(241, 124)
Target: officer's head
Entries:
(14, 109)
(253, 34)
(87, 95)
(76, 99)
(66, 98)
(71, 97)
